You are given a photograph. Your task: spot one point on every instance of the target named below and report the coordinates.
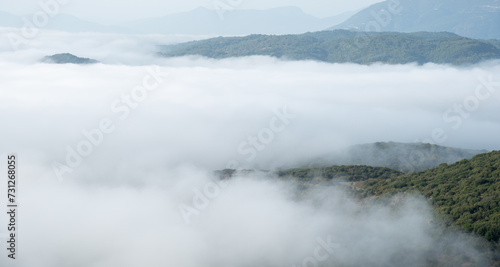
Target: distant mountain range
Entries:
(341, 46)
(282, 20)
(478, 19)
(200, 21)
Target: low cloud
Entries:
(254, 221)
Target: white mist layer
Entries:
(206, 112)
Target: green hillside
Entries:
(342, 46)
(350, 173)
(467, 192)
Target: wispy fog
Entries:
(105, 165)
(252, 221)
(108, 48)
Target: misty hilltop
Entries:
(464, 194)
(406, 157)
(474, 19)
(340, 46)
(67, 58)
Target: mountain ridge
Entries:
(341, 46)
(280, 20)
(479, 19)
(405, 157)
(199, 21)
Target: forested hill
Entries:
(405, 157)
(467, 193)
(340, 46)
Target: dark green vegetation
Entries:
(467, 192)
(342, 46)
(352, 173)
(67, 58)
(349, 173)
(406, 157)
(474, 19)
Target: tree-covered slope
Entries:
(341, 46)
(350, 173)
(468, 192)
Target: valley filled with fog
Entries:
(117, 158)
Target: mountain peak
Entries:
(478, 19)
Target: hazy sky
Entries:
(112, 10)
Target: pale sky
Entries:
(115, 11)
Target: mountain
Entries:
(200, 21)
(341, 46)
(61, 22)
(67, 58)
(281, 20)
(405, 157)
(479, 19)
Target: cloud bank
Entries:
(252, 221)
